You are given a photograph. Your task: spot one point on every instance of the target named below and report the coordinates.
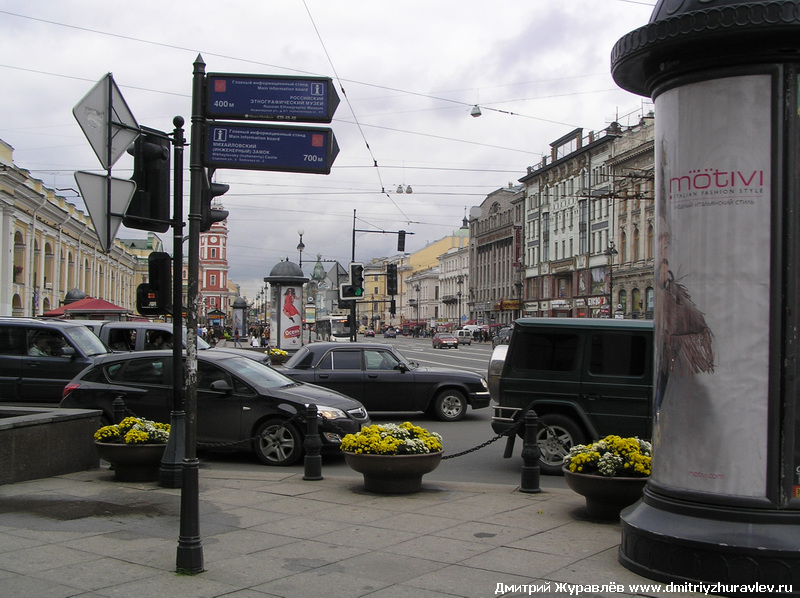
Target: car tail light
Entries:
(69, 388)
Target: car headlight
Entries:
(483, 381)
(330, 412)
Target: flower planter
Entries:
(605, 496)
(393, 474)
(132, 462)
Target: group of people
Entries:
(481, 336)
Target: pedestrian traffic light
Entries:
(149, 207)
(391, 279)
(209, 215)
(401, 240)
(155, 296)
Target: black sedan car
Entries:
(238, 401)
(381, 378)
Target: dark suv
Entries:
(39, 357)
(584, 378)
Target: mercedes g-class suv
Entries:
(584, 378)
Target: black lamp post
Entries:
(610, 252)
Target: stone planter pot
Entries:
(605, 496)
(393, 474)
(132, 462)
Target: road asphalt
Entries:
(271, 533)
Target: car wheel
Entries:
(450, 405)
(555, 442)
(278, 443)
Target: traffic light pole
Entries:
(170, 472)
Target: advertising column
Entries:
(713, 286)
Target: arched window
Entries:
(19, 258)
(636, 301)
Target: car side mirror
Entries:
(221, 386)
(402, 367)
(68, 351)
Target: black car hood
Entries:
(311, 393)
(460, 375)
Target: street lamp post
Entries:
(610, 253)
(416, 288)
(459, 282)
(300, 245)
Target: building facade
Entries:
(567, 227)
(495, 257)
(48, 247)
(216, 294)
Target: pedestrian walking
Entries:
(236, 342)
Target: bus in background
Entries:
(333, 328)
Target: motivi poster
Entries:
(713, 208)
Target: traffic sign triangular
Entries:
(92, 114)
(106, 219)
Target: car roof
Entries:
(589, 323)
(52, 323)
(213, 356)
(323, 346)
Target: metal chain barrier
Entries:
(512, 430)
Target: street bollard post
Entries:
(530, 455)
(313, 446)
(119, 410)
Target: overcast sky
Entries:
(408, 73)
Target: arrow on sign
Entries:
(101, 109)
(94, 190)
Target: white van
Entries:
(464, 336)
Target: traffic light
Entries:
(155, 296)
(401, 240)
(391, 279)
(355, 289)
(393, 307)
(209, 215)
(357, 279)
(149, 208)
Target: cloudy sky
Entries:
(408, 73)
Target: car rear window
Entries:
(150, 370)
(341, 360)
(545, 352)
(618, 355)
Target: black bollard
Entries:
(530, 455)
(313, 446)
(119, 410)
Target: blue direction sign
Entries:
(270, 97)
(270, 147)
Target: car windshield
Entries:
(257, 373)
(86, 341)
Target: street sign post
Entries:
(270, 98)
(270, 147)
(106, 217)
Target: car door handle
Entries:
(245, 408)
(372, 375)
(591, 397)
(323, 375)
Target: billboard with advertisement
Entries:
(713, 166)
